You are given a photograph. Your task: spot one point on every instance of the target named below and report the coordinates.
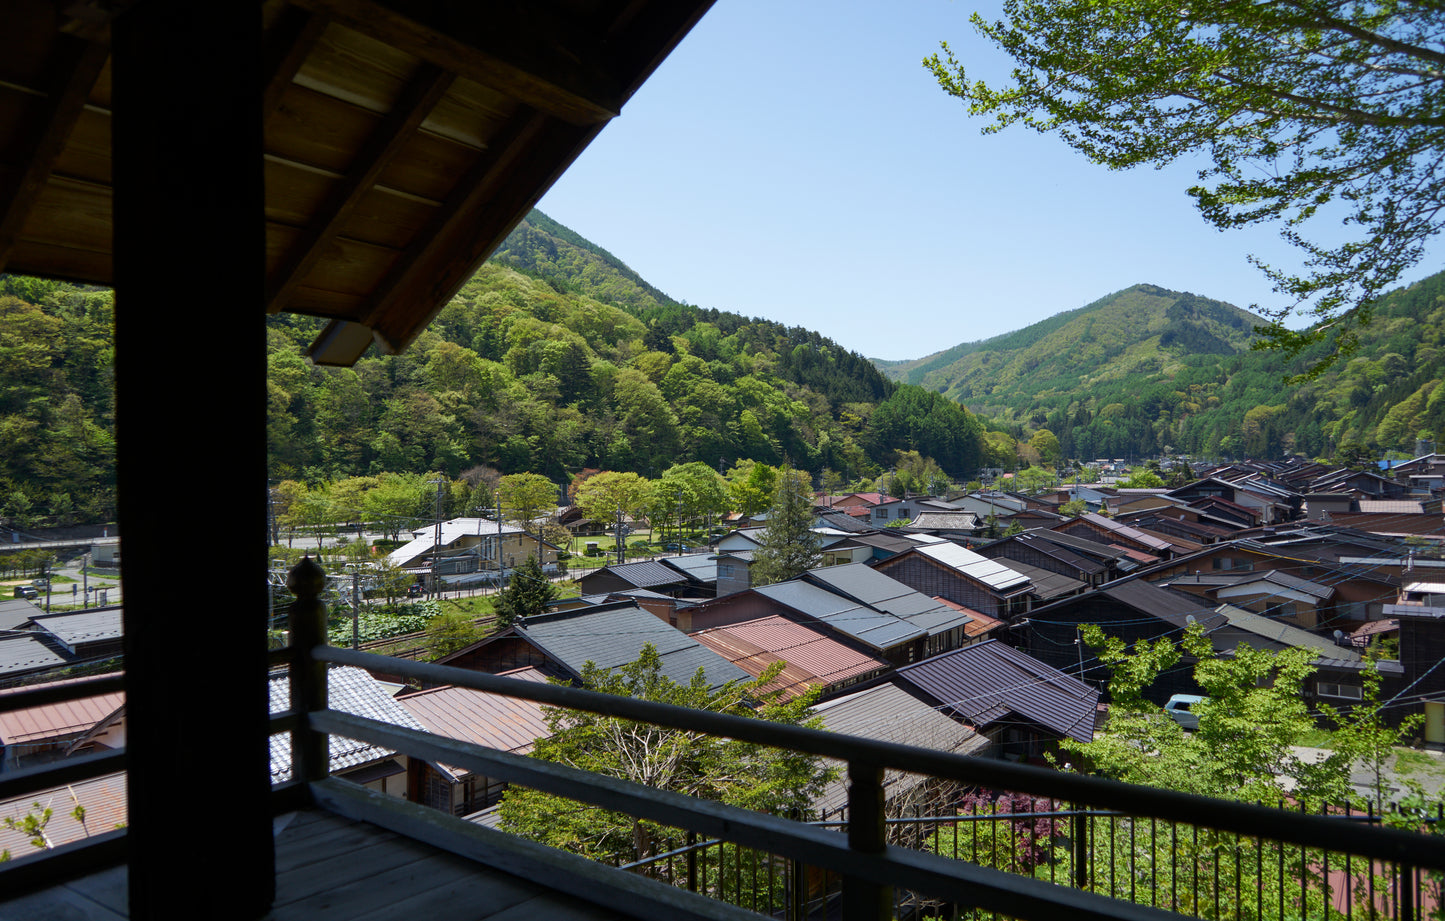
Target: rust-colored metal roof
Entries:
(812, 658)
(494, 720)
(57, 721)
(105, 810)
(403, 140)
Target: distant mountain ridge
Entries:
(1141, 329)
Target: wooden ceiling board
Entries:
(403, 138)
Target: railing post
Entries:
(310, 750)
(1081, 848)
(867, 833)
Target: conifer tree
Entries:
(527, 594)
(788, 547)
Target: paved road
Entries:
(1409, 768)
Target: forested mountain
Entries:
(1148, 371)
(556, 357)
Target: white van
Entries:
(1184, 710)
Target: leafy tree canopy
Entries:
(1305, 107)
(779, 782)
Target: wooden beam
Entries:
(288, 43)
(417, 99)
(498, 198)
(518, 48)
(82, 64)
(189, 210)
(511, 143)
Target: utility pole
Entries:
(436, 550)
(355, 608)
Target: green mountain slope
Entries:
(1140, 330)
(1148, 371)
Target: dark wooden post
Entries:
(867, 833)
(190, 379)
(310, 750)
(1081, 847)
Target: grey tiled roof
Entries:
(349, 690)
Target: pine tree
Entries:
(527, 594)
(787, 546)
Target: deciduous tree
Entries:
(1305, 108)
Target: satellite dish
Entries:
(1189, 618)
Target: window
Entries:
(883, 513)
(1345, 691)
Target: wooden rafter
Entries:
(489, 167)
(290, 41)
(65, 102)
(496, 45)
(417, 100)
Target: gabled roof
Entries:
(610, 636)
(77, 629)
(424, 540)
(402, 141)
(56, 721)
(871, 587)
(996, 575)
(812, 658)
(985, 683)
(349, 690)
(888, 713)
(875, 629)
(510, 724)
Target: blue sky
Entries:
(793, 160)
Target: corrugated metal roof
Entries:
(811, 657)
(986, 682)
(27, 653)
(614, 636)
(349, 690)
(1048, 585)
(646, 573)
(993, 573)
(424, 539)
(58, 720)
(105, 809)
(480, 717)
(700, 566)
(882, 593)
(1286, 634)
(1122, 530)
(888, 713)
(875, 628)
(77, 628)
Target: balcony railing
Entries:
(1107, 850)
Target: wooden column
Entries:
(867, 833)
(191, 462)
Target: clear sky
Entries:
(793, 160)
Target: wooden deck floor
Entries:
(330, 867)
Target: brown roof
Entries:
(57, 720)
(105, 810)
(980, 624)
(403, 141)
(493, 720)
(812, 658)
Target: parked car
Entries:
(26, 591)
(1184, 710)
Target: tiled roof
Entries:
(985, 682)
(812, 658)
(349, 690)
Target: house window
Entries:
(725, 570)
(883, 513)
(1345, 691)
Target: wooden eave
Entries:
(403, 141)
